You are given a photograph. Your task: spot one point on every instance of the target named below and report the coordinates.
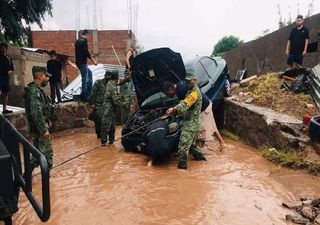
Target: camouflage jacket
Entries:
(125, 90)
(98, 93)
(190, 108)
(38, 108)
(112, 97)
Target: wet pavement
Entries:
(110, 186)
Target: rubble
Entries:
(267, 91)
(306, 211)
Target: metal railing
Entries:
(12, 140)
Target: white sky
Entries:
(191, 27)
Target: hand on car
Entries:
(170, 111)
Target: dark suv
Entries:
(144, 131)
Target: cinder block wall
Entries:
(268, 53)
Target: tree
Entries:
(17, 15)
(226, 44)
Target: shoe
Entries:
(199, 157)
(103, 144)
(98, 136)
(7, 111)
(182, 164)
(110, 142)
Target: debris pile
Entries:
(306, 211)
(268, 91)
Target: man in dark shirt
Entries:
(54, 67)
(6, 67)
(82, 54)
(297, 43)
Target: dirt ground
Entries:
(266, 91)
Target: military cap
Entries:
(191, 76)
(38, 69)
(167, 85)
(112, 74)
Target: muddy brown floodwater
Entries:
(110, 186)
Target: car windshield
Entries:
(157, 100)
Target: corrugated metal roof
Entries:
(98, 71)
(13, 108)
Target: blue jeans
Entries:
(86, 79)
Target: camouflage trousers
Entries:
(45, 147)
(188, 142)
(97, 121)
(125, 112)
(108, 127)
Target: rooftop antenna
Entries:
(101, 18)
(310, 9)
(95, 19)
(88, 19)
(77, 17)
(136, 20)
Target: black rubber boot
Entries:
(182, 165)
(199, 156)
(182, 162)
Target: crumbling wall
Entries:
(68, 115)
(267, 53)
(259, 126)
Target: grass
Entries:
(291, 160)
(229, 135)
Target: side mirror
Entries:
(203, 83)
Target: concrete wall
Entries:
(259, 126)
(23, 61)
(268, 53)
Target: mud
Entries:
(110, 186)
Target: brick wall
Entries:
(99, 42)
(60, 41)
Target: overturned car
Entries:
(144, 131)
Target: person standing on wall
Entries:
(6, 67)
(297, 43)
(82, 55)
(54, 67)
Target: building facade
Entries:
(106, 46)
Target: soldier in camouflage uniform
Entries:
(39, 111)
(125, 90)
(112, 99)
(96, 100)
(190, 108)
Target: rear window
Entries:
(199, 71)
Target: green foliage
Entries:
(17, 15)
(291, 160)
(229, 135)
(226, 44)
